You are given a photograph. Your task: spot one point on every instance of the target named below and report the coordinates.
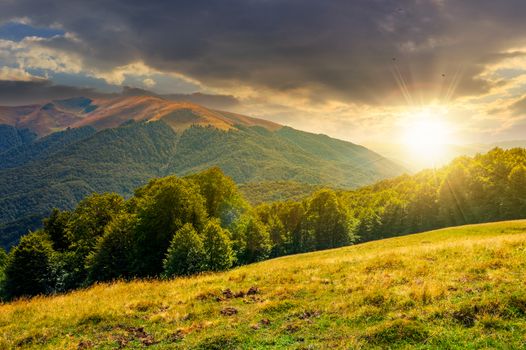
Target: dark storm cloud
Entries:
(14, 93)
(327, 49)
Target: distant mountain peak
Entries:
(103, 113)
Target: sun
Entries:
(427, 134)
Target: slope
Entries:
(60, 169)
(454, 288)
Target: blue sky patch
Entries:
(18, 31)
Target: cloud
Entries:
(347, 68)
(10, 73)
(16, 92)
(315, 49)
(518, 108)
(29, 91)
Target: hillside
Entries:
(453, 288)
(274, 191)
(119, 144)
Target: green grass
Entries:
(457, 288)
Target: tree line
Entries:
(484, 188)
(170, 227)
(181, 226)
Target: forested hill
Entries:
(60, 169)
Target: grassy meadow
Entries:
(455, 288)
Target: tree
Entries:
(268, 214)
(56, 227)
(163, 207)
(292, 216)
(86, 225)
(3, 259)
(186, 254)
(453, 196)
(112, 256)
(218, 247)
(257, 245)
(222, 197)
(329, 220)
(278, 236)
(29, 269)
(369, 224)
(89, 219)
(516, 207)
(3, 262)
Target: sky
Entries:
(359, 70)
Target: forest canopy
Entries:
(180, 226)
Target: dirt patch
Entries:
(229, 311)
(85, 344)
(308, 314)
(129, 334)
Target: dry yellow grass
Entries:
(454, 288)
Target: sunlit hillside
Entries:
(456, 288)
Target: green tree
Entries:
(3, 262)
(278, 236)
(29, 268)
(112, 256)
(86, 225)
(453, 196)
(268, 214)
(369, 224)
(292, 216)
(329, 220)
(89, 219)
(516, 206)
(163, 207)
(257, 244)
(56, 227)
(3, 259)
(222, 197)
(186, 254)
(218, 247)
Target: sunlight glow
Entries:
(427, 133)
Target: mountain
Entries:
(116, 145)
(11, 137)
(103, 113)
(456, 288)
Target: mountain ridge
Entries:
(103, 113)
